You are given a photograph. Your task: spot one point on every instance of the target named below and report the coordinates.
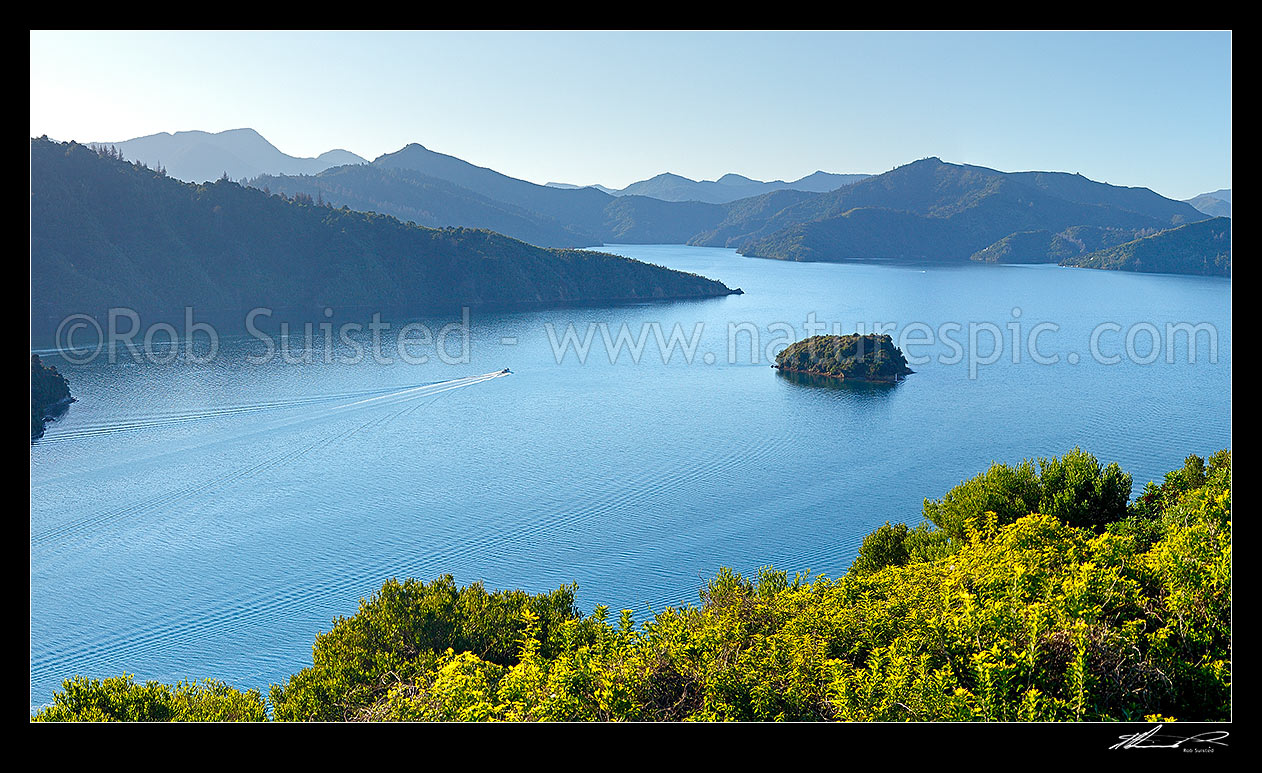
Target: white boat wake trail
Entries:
(407, 400)
(367, 397)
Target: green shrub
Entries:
(121, 699)
(401, 630)
(1073, 488)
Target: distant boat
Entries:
(505, 371)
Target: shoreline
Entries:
(840, 377)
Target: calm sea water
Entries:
(192, 520)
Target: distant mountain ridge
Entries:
(932, 210)
(728, 188)
(928, 210)
(1215, 204)
(570, 187)
(198, 156)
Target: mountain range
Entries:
(436, 189)
(932, 210)
(197, 156)
(928, 210)
(106, 233)
(728, 188)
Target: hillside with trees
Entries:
(1029, 593)
(50, 395)
(431, 188)
(1202, 248)
(108, 233)
(429, 201)
(1048, 247)
(930, 210)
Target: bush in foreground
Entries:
(1086, 612)
(121, 699)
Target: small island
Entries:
(50, 395)
(852, 357)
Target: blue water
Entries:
(192, 520)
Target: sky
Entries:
(1139, 109)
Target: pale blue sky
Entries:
(1150, 109)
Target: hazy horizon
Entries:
(1131, 109)
(1136, 109)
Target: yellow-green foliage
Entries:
(399, 634)
(1029, 620)
(121, 699)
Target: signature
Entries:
(1149, 739)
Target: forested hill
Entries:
(1048, 247)
(931, 210)
(429, 188)
(574, 206)
(415, 197)
(107, 233)
(1197, 248)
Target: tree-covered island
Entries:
(854, 357)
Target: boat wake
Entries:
(405, 401)
(335, 403)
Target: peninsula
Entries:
(50, 395)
